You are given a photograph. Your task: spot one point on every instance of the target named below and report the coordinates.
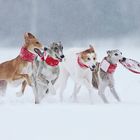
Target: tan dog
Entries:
(19, 70)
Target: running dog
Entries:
(18, 71)
(79, 66)
(46, 71)
(104, 77)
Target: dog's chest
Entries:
(27, 69)
(51, 73)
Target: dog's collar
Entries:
(51, 61)
(107, 66)
(26, 55)
(81, 64)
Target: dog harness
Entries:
(108, 67)
(81, 64)
(26, 55)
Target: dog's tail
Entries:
(95, 77)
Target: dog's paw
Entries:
(19, 94)
(37, 102)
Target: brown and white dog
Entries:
(18, 71)
(79, 67)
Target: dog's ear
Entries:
(108, 52)
(92, 48)
(29, 35)
(47, 50)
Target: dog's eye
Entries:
(37, 42)
(88, 58)
(116, 54)
(94, 58)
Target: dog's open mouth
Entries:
(60, 59)
(37, 51)
(92, 69)
(122, 60)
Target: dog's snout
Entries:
(123, 59)
(93, 66)
(62, 56)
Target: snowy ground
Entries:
(20, 119)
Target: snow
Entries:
(21, 119)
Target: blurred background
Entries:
(71, 21)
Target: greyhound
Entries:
(104, 77)
(46, 70)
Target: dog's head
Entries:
(56, 51)
(115, 56)
(31, 43)
(88, 57)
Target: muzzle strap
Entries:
(49, 60)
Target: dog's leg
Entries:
(113, 91)
(20, 93)
(90, 89)
(3, 87)
(75, 91)
(62, 82)
(23, 77)
(102, 87)
(36, 89)
(36, 93)
(51, 88)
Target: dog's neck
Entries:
(110, 60)
(81, 64)
(26, 55)
(107, 66)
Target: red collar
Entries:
(26, 55)
(51, 61)
(81, 64)
(110, 68)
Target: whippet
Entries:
(46, 70)
(104, 78)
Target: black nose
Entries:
(62, 56)
(45, 49)
(124, 59)
(93, 66)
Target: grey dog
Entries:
(104, 77)
(46, 70)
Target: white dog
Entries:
(79, 66)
